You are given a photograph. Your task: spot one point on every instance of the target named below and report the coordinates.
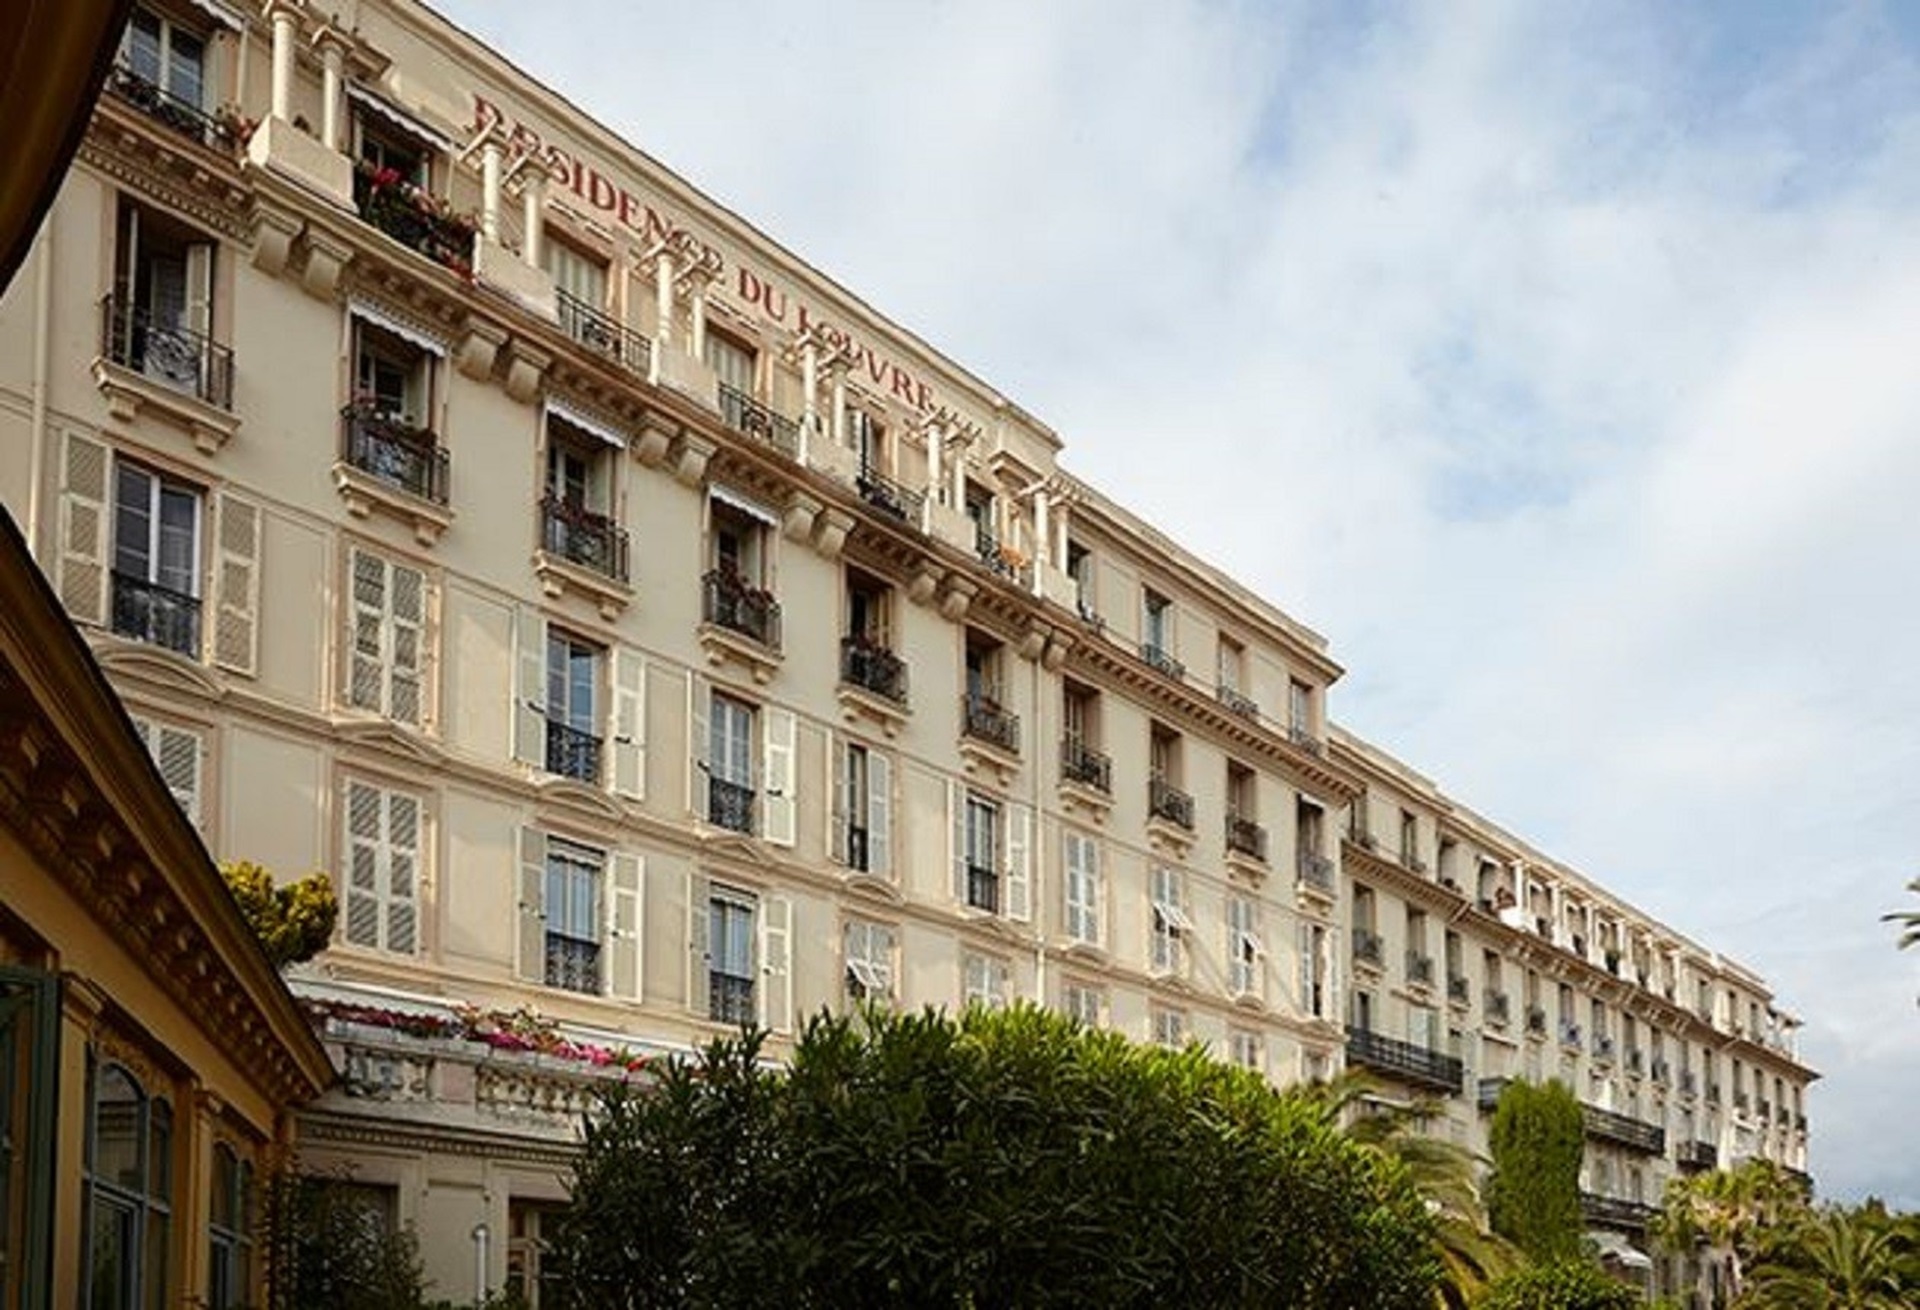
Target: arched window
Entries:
(129, 1189)
(230, 1230)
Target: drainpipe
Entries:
(481, 1234)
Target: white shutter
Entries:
(776, 963)
(699, 927)
(781, 807)
(365, 847)
(367, 623)
(199, 306)
(533, 905)
(85, 475)
(957, 839)
(177, 755)
(402, 889)
(627, 726)
(626, 925)
(1019, 890)
(236, 642)
(530, 687)
(406, 643)
(879, 815)
(1083, 889)
(699, 741)
(839, 812)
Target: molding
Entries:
(130, 394)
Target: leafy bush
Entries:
(1533, 1194)
(294, 922)
(1559, 1285)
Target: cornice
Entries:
(143, 156)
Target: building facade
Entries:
(645, 631)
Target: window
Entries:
(867, 438)
(165, 57)
(983, 854)
(1163, 756)
(532, 1274)
(868, 948)
(1169, 1028)
(1157, 628)
(156, 559)
(1084, 1003)
(862, 810)
(230, 1231)
(128, 1189)
(1081, 760)
(1363, 1011)
(1360, 820)
(730, 948)
(1243, 948)
(1083, 888)
(578, 276)
(1299, 709)
(1170, 923)
(867, 660)
(1243, 793)
(730, 791)
(576, 511)
(1246, 1050)
(391, 378)
(382, 908)
(177, 753)
(867, 608)
(1313, 970)
(732, 362)
(988, 982)
(573, 711)
(1410, 841)
(1231, 666)
(983, 661)
(1419, 962)
(384, 147)
(160, 322)
(1310, 819)
(1080, 569)
(574, 916)
(389, 623)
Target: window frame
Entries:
(573, 868)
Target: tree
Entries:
(1730, 1212)
(1909, 920)
(1559, 1285)
(331, 1250)
(293, 922)
(997, 1159)
(1839, 1259)
(1533, 1195)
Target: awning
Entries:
(400, 118)
(403, 326)
(220, 13)
(1613, 1246)
(593, 427)
(751, 508)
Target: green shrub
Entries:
(1559, 1285)
(1533, 1193)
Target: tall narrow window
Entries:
(573, 707)
(1243, 947)
(863, 809)
(868, 948)
(983, 854)
(156, 559)
(160, 322)
(1300, 710)
(1084, 1003)
(1313, 970)
(988, 981)
(1170, 923)
(1080, 569)
(128, 1190)
(167, 58)
(382, 907)
(574, 915)
(732, 362)
(1083, 888)
(230, 1231)
(730, 787)
(731, 953)
(388, 657)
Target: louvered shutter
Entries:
(236, 642)
(957, 839)
(530, 687)
(699, 951)
(626, 925)
(403, 872)
(839, 810)
(85, 469)
(177, 754)
(879, 815)
(781, 807)
(699, 743)
(406, 643)
(533, 905)
(1019, 891)
(364, 849)
(776, 964)
(627, 726)
(367, 621)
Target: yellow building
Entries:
(645, 630)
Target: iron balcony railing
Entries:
(167, 352)
(396, 453)
(1458, 991)
(729, 602)
(573, 964)
(1420, 968)
(1569, 1033)
(1537, 1019)
(582, 536)
(572, 752)
(1404, 1061)
(857, 847)
(166, 108)
(982, 719)
(995, 554)
(1237, 702)
(413, 216)
(1661, 1072)
(1498, 1005)
(1602, 1046)
(1713, 1093)
(1636, 1060)
(730, 805)
(1697, 1155)
(1081, 763)
(890, 497)
(866, 664)
(1245, 837)
(1624, 1130)
(730, 998)
(1166, 801)
(1316, 871)
(1305, 740)
(749, 417)
(1163, 660)
(1689, 1084)
(149, 612)
(1615, 1212)
(1366, 946)
(983, 888)
(603, 334)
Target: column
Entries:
(533, 208)
(697, 280)
(1042, 531)
(286, 30)
(490, 191)
(936, 443)
(332, 85)
(959, 494)
(663, 307)
(809, 383)
(839, 372)
(1062, 535)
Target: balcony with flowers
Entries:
(415, 217)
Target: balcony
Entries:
(1487, 1094)
(1303, 737)
(890, 497)
(1366, 947)
(866, 664)
(1316, 872)
(1412, 862)
(730, 805)
(171, 354)
(578, 535)
(1537, 1020)
(1457, 990)
(169, 110)
(982, 719)
(983, 888)
(1245, 837)
(750, 418)
(1419, 969)
(730, 603)
(1602, 1047)
(572, 752)
(149, 612)
(1662, 1073)
(573, 964)
(1163, 661)
(1713, 1093)
(1615, 1212)
(1498, 1006)
(1085, 766)
(730, 998)
(1404, 1061)
(395, 454)
(1168, 802)
(1569, 1034)
(997, 555)
(1688, 1083)
(1624, 1130)
(1237, 702)
(413, 216)
(1696, 1156)
(1636, 1061)
(604, 335)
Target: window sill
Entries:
(857, 703)
(1252, 1002)
(987, 762)
(1309, 896)
(1249, 868)
(1169, 839)
(1077, 798)
(1091, 953)
(130, 394)
(559, 575)
(364, 494)
(724, 646)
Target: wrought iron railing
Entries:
(1166, 801)
(1497, 1004)
(750, 611)
(1404, 1061)
(166, 352)
(1246, 837)
(866, 664)
(1367, 946)
(890, 497)
(572, 752)
(730, 998)
(1420, 968)
(1316, 871)
(1458, 990)
(573, 964)
(166, 108)
(603, 334)
(1697, 1155)
(982, 719)
(582, 536)
(1615, 1212)
(1081, 763)
(994, 553)
(983, 888)
(730, 805)
(1537, 1019)
(858, 852)
(1237, 702)
(1305, 740)
(395, 453)
(1163, 660)
(749, 417)
(1624, 1130)
(149, 612)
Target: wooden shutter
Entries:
(236, 643)
(781, 808)
(879, 814)
(957, 839)
(85, 475)
(366, 631)
(699, 962)
(533, 905)
(627, 724)
(177, 755)
(1019, 869)
(199, 299)
(839, 808)
(402, 891)
(406, 643)
(530, 688)
(626, 925)
(699, 739)
(776, 963)
(365, 846)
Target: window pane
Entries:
(112, 1274)
(143, 46)
(117, 1129)
(178, 567)
(133, 523)
(186, 55)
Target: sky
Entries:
(1559, 361)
